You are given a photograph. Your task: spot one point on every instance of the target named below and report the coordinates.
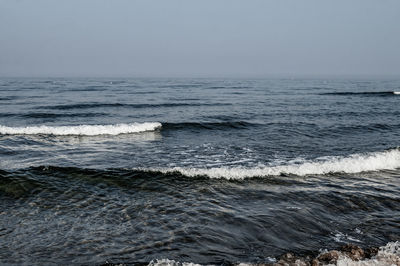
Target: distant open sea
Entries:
(206, 171)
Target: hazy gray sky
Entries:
(199, 38)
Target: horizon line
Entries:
(238, 76)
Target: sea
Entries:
(184, 171)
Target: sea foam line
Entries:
(356, 163)
(81, 130)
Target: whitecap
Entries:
(356, 163)
(81, 130)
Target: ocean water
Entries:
(205, 171)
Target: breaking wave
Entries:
(81, 130)
(356, 163)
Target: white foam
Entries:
(344, 238)
(82, 130)
(167, 262)
(356, 163)
(396, 92)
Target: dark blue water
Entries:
(195, 170)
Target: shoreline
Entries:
(347, 255)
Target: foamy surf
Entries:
(81, 130)
(167, 262)
(356, 163)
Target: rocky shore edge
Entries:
(347, 255)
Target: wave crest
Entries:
(364, 93)
(81, 130)
(356, 163)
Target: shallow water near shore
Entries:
(207, 171)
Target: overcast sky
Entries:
(215, 38)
